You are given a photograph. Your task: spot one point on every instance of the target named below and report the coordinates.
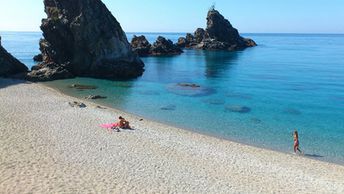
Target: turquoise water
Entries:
(289, 81)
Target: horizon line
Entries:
(156, 32)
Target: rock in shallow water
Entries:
(161, 47)
(190, 89)
(214, 101)
(238, 109)
(169, 107)
(219, 35)
(83, 87)
(141, 45)
(292, 111)
(82, 38)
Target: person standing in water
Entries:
(296, 142)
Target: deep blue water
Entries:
(289, 81)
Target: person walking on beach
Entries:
(296, 142)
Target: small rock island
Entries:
(161, 47)
(83, 38)
(219, 35)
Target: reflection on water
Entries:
(217, 63)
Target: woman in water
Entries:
(296, 142)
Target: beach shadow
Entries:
(6, 82)
(313, 156)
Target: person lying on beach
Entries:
(296, 142)
(124, 124)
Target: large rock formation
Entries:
(82, 38)
(161, 47)
(219, 35)
(10, 65)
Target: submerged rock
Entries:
(189, 85)
(219, 35)
(292, 111)
(169, 107)
(238, 109)
(83, 87)
(214, 101)
(83, 38)
(192, 90)
(256, 120)
(9, 65)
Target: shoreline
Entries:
(166, 124)
(42, 137)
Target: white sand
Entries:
(46, 146)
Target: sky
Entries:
(248, 16)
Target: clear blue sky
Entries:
(299, 16)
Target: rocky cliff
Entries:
(219, 35)
(10, 65)
(83, 38)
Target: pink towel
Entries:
(109, 126)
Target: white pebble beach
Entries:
(47, 146)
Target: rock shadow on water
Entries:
(237, 109)
(214, 101)
(190, 89)
(292, 111)
(170, 107)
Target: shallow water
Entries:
(257, 96)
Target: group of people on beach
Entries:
(124, 124)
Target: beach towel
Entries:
(109, 125)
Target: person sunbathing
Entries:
(124, 124)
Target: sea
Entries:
(258, 96)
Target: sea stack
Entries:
(161, 47)
(219, 35)
(83, 38)
(9, 65)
